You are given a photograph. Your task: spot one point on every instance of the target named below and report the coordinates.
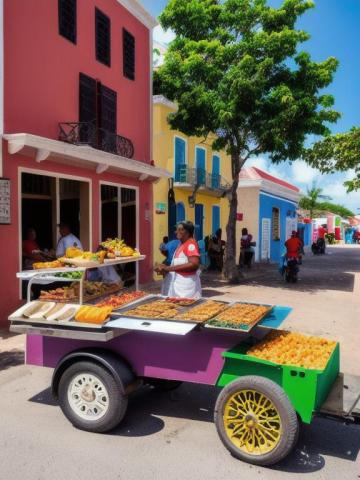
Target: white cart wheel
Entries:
(91, 398)
(88, 397)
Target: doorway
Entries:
(199, 221)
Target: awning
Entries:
(42, 148)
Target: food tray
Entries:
(18, 317)
(244, 327)
(151, 298)
(80, 263)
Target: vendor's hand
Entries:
(161, 268)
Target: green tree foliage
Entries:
(312, 203)
(340, 152)
(236, 69)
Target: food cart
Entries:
(162, 341)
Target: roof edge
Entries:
(136, 9)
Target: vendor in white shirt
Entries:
(67, 239)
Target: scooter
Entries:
(318, 247)
(291, 270)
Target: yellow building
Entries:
(196, 191)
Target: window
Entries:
(215, 174)
(67, 19)
(128, 55)
(215, 218)
(102, 37)
(200, 155)
(180, 160)
(275, 224)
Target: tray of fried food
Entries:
(200, 313)
(155, 309)
(240, 316)
(291, 348)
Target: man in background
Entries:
(67, 239)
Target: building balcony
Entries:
(190, 179)
(86, 134)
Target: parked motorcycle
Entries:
(318, 247)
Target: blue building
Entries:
(268, 209)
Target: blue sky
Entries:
(334, 29)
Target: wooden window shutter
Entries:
(67, 19)
(128, 55)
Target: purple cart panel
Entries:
(195, 357)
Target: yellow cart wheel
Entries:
(256, 421)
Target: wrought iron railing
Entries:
(200, 177)
(86, 133)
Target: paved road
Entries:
(171, 436)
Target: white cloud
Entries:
(258, 162)
(163, 36)
(303, 173)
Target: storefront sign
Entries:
(5, 218)
(160, 208)
(239, 217)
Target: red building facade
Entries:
(76, 126)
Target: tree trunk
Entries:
(231, 271)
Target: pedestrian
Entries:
(162, 246)
(246, 250)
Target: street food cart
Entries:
(156, 340)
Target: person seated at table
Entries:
(31, 251)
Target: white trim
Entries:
(186, 152)
(161, 100)
(57, 177)
(1, 83)
(277, 197)
(83, 156)
(271, 188)
(136, 9)
(200, 147)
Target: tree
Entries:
(339, 152)
(310, 202)
(336, 209)
(234, 69)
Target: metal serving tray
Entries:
(123, 311)
(242, 327)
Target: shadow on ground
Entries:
(196, 402)
(11, 358)
(333, 271)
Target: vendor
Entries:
(67, 239)
(183, 276)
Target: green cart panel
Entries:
(307, 389)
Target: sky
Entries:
(334, 29)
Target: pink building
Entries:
(75, 121)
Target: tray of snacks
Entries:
(60, 314)
(92, 290)
(157, 307)
(202, 312)
(240, 316)
(119, 301)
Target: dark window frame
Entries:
(129, 64)
(64, 30)
(102, 57)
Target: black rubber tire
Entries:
(164, 385)
(118, 401)
(287, 277)
(294, 279)
(289, 420)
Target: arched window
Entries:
(276, 223)
(180, 212)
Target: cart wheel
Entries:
(165, 385)
(91, 398)
(256, 421)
